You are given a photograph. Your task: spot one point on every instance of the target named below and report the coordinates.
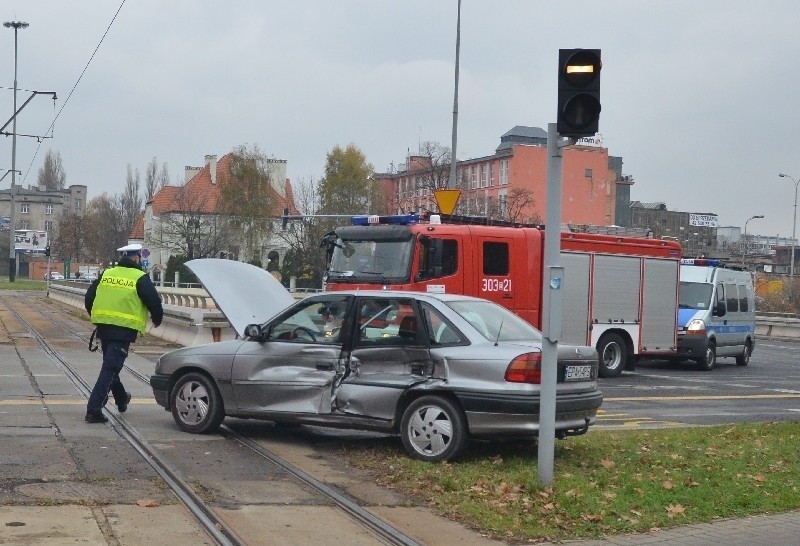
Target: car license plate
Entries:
(577, 373)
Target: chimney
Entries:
(211, 161)
(189, 172)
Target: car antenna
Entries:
(497, 339)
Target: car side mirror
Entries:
(720, 309)
(253, 331)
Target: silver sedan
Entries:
(437, 369)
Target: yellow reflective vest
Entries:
(116, 301)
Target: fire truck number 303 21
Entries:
(496, 285)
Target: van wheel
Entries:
(613, 355)
(744, 358)
(710, 359)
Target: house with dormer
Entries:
(188, 220)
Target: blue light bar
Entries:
(701, 262)
(375, 220)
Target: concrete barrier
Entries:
(195, 320)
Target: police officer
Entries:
(118, 302)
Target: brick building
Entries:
(511, 183)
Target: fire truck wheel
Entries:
(434, 429)
(613, 355)
(707, 362)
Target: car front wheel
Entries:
(434, 429)
(196, 404)
(709, 359)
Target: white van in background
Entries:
(716, 313)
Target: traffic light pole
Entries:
(552, 307)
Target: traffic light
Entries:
(578, 92)
(47, 251)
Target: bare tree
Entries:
(189, 229)
(150, 179)
(131, 200)
(52, 175)
(305, 259)
(434, 173)
(70, 238)
(520, 207)
(103, 232)
(163, 177)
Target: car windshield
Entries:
(695, 295)
(494, 322)
(371, 261)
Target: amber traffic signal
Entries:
(578, 92)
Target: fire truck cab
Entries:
(620, 293)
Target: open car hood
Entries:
(245, 294)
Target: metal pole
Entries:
(552, 306)
(794, 226)
(12, 253)
(453, 160)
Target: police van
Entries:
(716, 314)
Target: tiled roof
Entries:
(138, 228)
(200, 195)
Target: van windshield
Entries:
(695, 295)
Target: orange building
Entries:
(511, 184)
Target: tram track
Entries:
(203, 513)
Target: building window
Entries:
(24, 208)
(48, 209)
(484, 175)
(587, 173)
(78, 205)
(474, 181)
(24, 224)
(504, 171)
(48, 226)
(491, 174)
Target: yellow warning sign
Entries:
(446, 200)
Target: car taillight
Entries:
(525, 368)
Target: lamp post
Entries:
(12, 252)
(744, 255)
(794, 224)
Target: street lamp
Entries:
(794, 223)
(12, 252)
(744, 256)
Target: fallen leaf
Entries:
(667, 484)
(148, 503)
(675, 510)
(607, 463)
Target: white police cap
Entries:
(130, 250)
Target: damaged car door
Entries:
(293, 365)
(390, 353)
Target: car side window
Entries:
(315, 322)
(440, 331)
(388, 321)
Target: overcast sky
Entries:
(699, 98)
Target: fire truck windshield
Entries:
(367, 261)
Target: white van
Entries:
(716, 314)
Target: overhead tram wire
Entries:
(85, 68)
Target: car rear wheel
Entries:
(613, 355)
(744, 358)
(709, 359)
(434, 429)
(196, 404)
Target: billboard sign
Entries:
(30, 240)
(703, 220)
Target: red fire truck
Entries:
(620, 293)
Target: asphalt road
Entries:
(660, 393)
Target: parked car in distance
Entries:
(437, 369)
(54, 276)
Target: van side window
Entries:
(495, 258)
(732, 298)
(449, 257)
(438, 258)
(743, 303)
